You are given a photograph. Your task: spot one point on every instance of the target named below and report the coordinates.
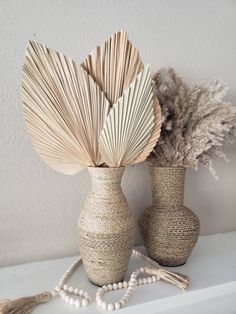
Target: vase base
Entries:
(100, 285)
(169, 262)
(172, 264)
(95, 284)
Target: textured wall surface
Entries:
(39, 208)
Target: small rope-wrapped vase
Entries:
(106, 228)
(169, 229)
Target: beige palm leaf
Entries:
(133, 124)
(114, 65)
(155, 132)
(64, 109)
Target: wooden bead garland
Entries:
(71, 295)
(77, 298)
(129, 285)
(155, 274)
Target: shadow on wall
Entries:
(136, 185)
(214, 201)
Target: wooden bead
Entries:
(84, 302)
(117, 305)
(120, 285)
(154, 278)
(71, 289)
(125, 284)
(81, 292)
(77, 303)
(110, 307)
(105, 289)
(104, 306)
(76, 291)
(115, 286)
(149, 279)
(72, 301)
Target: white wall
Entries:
(39, 207)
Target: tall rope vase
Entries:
(106, 228)
(169, 229)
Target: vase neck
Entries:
(106, 181)
(168, 186)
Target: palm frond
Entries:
(64, 109)
(114, 65)
(128, 134)
(148, 148)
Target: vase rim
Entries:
(106, 169)
(167, 167)
(97, 167)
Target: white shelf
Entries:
(212, 269)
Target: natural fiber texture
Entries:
(23, 305)
(177, 279)
(106, 228)
(169, 229)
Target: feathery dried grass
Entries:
(196, 121)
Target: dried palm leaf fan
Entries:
(71, 108)
(114, 65)
(127, 134)
(64, 109)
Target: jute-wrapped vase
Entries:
(169, 229)
(106, 228)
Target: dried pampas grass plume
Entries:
(196, 121)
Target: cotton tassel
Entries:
(24, 305)
(176, 279)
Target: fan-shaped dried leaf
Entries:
(114, 65)
(155, 132)
(64, 109)
(130, 124)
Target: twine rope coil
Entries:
(169, 229)
(106, 228)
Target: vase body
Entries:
(169, 229)
(106, 228)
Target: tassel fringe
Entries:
(23, 305)
(174, 278)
